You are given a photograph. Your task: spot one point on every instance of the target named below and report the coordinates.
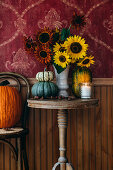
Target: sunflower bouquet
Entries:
(59, 47)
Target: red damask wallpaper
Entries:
(24, 17)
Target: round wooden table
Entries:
(63, 106)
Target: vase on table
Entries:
(62, 81)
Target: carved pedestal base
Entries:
(62, 124)
(63, 166)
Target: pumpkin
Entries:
(44, 89)
(44, 76)
(80, 75)
(10, 106)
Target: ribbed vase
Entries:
(62, 81)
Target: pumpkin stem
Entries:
(45, 69)
(4, 83)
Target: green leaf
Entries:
(59, 68)
(65, 34)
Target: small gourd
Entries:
(45, 89)
(45, 76)
(80, 75)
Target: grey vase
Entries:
(62, 81)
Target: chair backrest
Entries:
(20, 81)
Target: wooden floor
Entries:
(89, 139)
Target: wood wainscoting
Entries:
(89, 140)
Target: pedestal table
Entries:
(62, 106)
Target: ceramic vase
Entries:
(62, 81)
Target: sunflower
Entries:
(44, 36)
(86, 62)
(75, 47)
(58, 47)
(43, 55)
(61, 59)
(55, 36)
(29, 44)
(78, 21)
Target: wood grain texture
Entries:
(86, 139)
(104, 129)
(98, 129)
(89, 138)
(80, 139)
(73, 138)
(49, 139)
(110, 126)
(62, 104)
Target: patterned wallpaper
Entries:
(24, 17)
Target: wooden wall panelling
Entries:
(92, 135)
(7, 161)
(55, 145)
(13, 161)
(27, 139)
(32, 139)
(110, 127)
(91, 120)
(73, 138)
(49, 146)
(23, 96)
(104, 127)
(37, 139)
(43, 139)
(85, 139)
(79, 139)
(89, 140)
(1, 155)
(69, 148)
(98, 129)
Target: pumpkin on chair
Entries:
(10, 106)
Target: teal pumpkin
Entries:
(80, 75)
(44, 89)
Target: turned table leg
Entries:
(62, 125)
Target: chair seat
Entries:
(12, 132)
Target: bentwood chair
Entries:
(18, 132)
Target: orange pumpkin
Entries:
(10, 106)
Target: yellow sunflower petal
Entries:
(86, 62)
(76, 47)
(56, 47)
(62, 59)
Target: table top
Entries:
(62, 104)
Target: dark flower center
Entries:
(78, 20)
(28, 45)
(43, 54)
(62, 58)
(62, 49)
(44, 37)
(76, 47)
(86, 61)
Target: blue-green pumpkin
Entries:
(44, 89)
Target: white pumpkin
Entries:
(45, 76)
